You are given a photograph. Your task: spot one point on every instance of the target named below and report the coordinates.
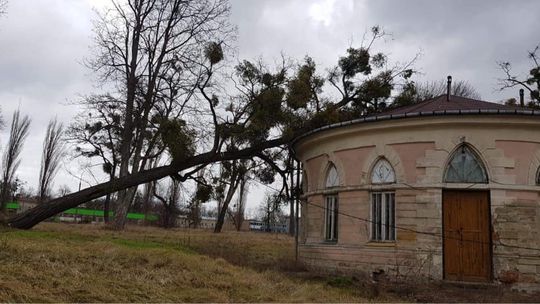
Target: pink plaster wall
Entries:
(313, 168)
(409, 153)
(523, 195)
(353, 161)
(522, 153)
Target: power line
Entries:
(423, 232)
(433, 234)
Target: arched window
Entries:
(332, 178)
(331, 206)
(383, 173)
(465, 167)
(383, 204)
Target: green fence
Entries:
(96, 213)
(13, 205)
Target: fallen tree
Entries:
(32, 217)
(271, 110)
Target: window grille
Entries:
(383, 173)
(383, 216)
(331, 212)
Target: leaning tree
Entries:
(259, 122)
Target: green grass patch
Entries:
(87, 263)
(139, 244)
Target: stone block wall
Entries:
(516, 224)
(419, 153)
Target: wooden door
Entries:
(467, 241)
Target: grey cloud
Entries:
(43, 42)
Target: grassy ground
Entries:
(85, 263)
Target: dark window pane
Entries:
(373, 216)
(378, 216)
(386, 216)
(335, 219)
(392, 217)
(331, 213)
(465, 167)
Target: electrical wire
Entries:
(433, 234)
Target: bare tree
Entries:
(96, 132)
(64, 190)
(531, 82)
(412, 92)
(237, 213)
(169, 203)
(11, 161)
(142, 46)
(270, 210)
(3, 7)
(433, 89)
(235, 174)
(53, 151)
(262, 124)
(203, 194)
(1, 124)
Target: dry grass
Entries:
(85, 263)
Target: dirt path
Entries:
(456, 293)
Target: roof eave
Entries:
(526, 112)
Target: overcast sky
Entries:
(42, 45)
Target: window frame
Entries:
(390, 235)
(331, 222)
(335, 181)
(392, 173)
(462, 177)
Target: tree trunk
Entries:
(221, 217)
(32, 217)
(123, 203)
(240, 208)
(41, 212)
(122, 207)
(146, 200)
(166, 216)
(106, 207)
(4, 197)
(226, 202)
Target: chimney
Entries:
(521, 98)
(448, 88)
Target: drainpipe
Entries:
(521, 98)
(448, 88)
